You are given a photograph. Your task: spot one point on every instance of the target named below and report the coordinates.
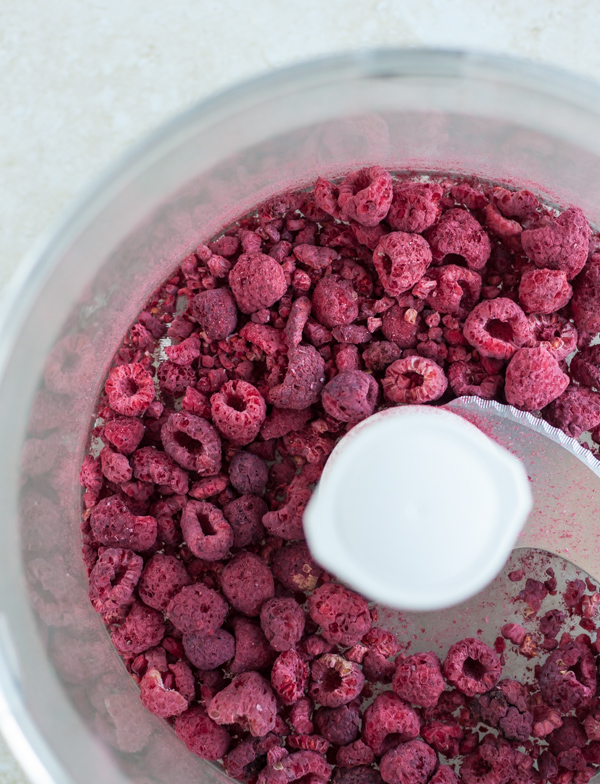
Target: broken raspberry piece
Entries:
(157, 698)
(585, 367)
(491, 763)
(568, 677)
(201, 735)
(257, 281)
(248, 701)
(295, 569)
(497, 328)
(124, 433)
(335, 681)
(143, 628)
(343, 615)
(544, 290)
(414, 380)
(114, 578)
(457, 233)
(365, 195)
(472, 666)
(196, 608)
(209, 651)
(303, 381)
(418, 679)
(216, 313)
(554, 333)
(562, 244)
(415, 206)
(247, 583)
(350, 396)
(515, 204)
(361, 774)
(444, 737)
(150, 465)
(206, 531)
(193, 443)
(299, 717)
(401, 260)
(354, 755)
(388, 721)
(238, 410)
(282, 621)
(130, 389)
(289, 677)
(444, 775)
(410, 763)
(534, 379)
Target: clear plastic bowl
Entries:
(68, 708)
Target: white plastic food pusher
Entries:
(417, 508)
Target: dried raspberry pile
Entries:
(224, 402)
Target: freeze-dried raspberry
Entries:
(586, 297)
(591, 724)
(516, 725)
(335, 681)
(303, 381)
(444, 775)
(244, 515)
(241, 761)
(551, 623)
(361, 774)
(216, 313)
(114, 525)
(572, 759)
(142, 629)
(544, 290)
(365, 195)
(491, 763)
(206, 531)
(381, 354)
(457, 233)
(350, 396)
(282, 421)
(554, 333)
(515, 204)
(201, 735)
(326, 197)
(585, 367)
(400, 328)
(174, 379)
(157, 698)
(347, 357)
(352, 333)
(562, 244)
(248, 474)
(282, 621)
(289, 677)
(339, 725)
(197, 608)
(568, 677)
(208, 651)
(401, 259)
(545, 721)
(415, 206)
(418, 679)
(388, 721)
(295, 569)
(469, 378)
(286, 522)
(571, 734)
(124, 433)
(207, 488)
(414, 380)
(257, 281)
(376, 668)
(238, 410)
(500, 225)
(247, 583)
(130, 389)
(355, 755)
(343, 615)
(382, 641)
(472, 666)
(410, 763)
(334, 302)
(252, 650)
(497, 328)
(184, 353)
(457, 290)
(314, 645)
(115, 466)
(575, 411)
(299, 717)
(162, 578)
(315, 257)
(114, 578)
(90, 475)
(533, 379)
(150, 465)
(248, 701)
(534, 593)
(308, 743)
(268, 339)
(307, 766)
(444, 737)
(513, 632)
(296, 322)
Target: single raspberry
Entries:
(252, 650)
(192, 442)
(586, 297)
(162, 578)
(248, 701)
(257, 281)
(471, 197)
(469, 378)
(515, 204)
(248, 474)
(516, 725)
(299, 717)
(174, 379)
(114, 578)
(414, 380)
(568, 677)
(184, 353)
(499, 225)
(376, 668)
(326, 197)
(544, 290)
(365, 195)
(401, 260)
(267, 339)
(201, 735)
(315, 257)
(388, 721)
(355, 755)
(130, 389)
(247, 583)
(456, 292)
(554, 333)
(350, 396)
(282, 621)
(545, 720)
(457, 233)
(143, 628)
(418, 679)
(206, 531)
(90, 475)
(282, 421)
(533, 379)
(472, 666)
(571, 734)
(334, 302)
(381, 354)
(444, 737)
(415, 206)
(216, 312)
(150, 465)
(209, 651)
(575, 411)
(410, 763)
(513, 632)
(241, 761)
(163, 702)
(562, 244)
(196, 608)
(343, 615)
(244, 515)
(585, 367)
(114, 525)
(491, 763)
(289, 677)
(497, 328)
(401, 325)
(307, 766)
(286, 522)
(124, 433)
(339, 725)
(238, 410)
(208, 488)
(115, 466)
(295, 569)
(335, 681)
(303, 381)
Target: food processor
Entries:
(68, 708)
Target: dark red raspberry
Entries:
(401, 260)
(282, 421)
(193, 443)
(201, 735)
(248, 701)
(376, 668)
(334, 302)
(130, 389)
(361, 774)
(308, 766)
(355, 755)
(568, 677)
(143, 628)
(339, 725)
(444, 737)
(586, 297)
(401, 325)
(497, 328)
(575, 411)
(414, 380)
(150, 465)
(468, 378)
(162, 578)
(252, 650)
(244, 515)
(248, 474)
(365, 195)
(335, 681)
(216, 313)
(472, 666)
(516, 725)
(282, 621)
(114, 525)
(197, 608)
(289, 677)
(350, 396)
(415, 206)
(238, 410)
(295, 569)
(388, 721)
(381, 354)
(561, 244)
(257, 281)
(457, 290)
(160, 700)
(206, 531)
(124, 433)
(491, 763)
(418, 679)
(457, 233)
(533, 379)
(114, 578)
(544, 290)
(571, 734)
(286, 522)
(247, 583)
(410, 763)
(208, 651)
(554, 333)
(343, 615)
(303, 381)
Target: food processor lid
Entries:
(417, 508)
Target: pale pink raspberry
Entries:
(335, 681)
(457, 290)
(365, 195)
(157, 698)
(257, 281)
(303, 381)
(409, 763)
(554, 333)
(387, 721)
(414, 380)
(289, 677)
(497, 328)
(544, 290)
(334, 302)
(192, 442)
(561, 244)
(350, 396)
(130, 389)
(415, 206)
(401, 260)
(457, 233)
(534, 379)
(201, 735)
(238, 410)
(248, 701)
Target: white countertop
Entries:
(82, 80)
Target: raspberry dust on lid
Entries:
(417, 508)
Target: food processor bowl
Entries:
(68, 708)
